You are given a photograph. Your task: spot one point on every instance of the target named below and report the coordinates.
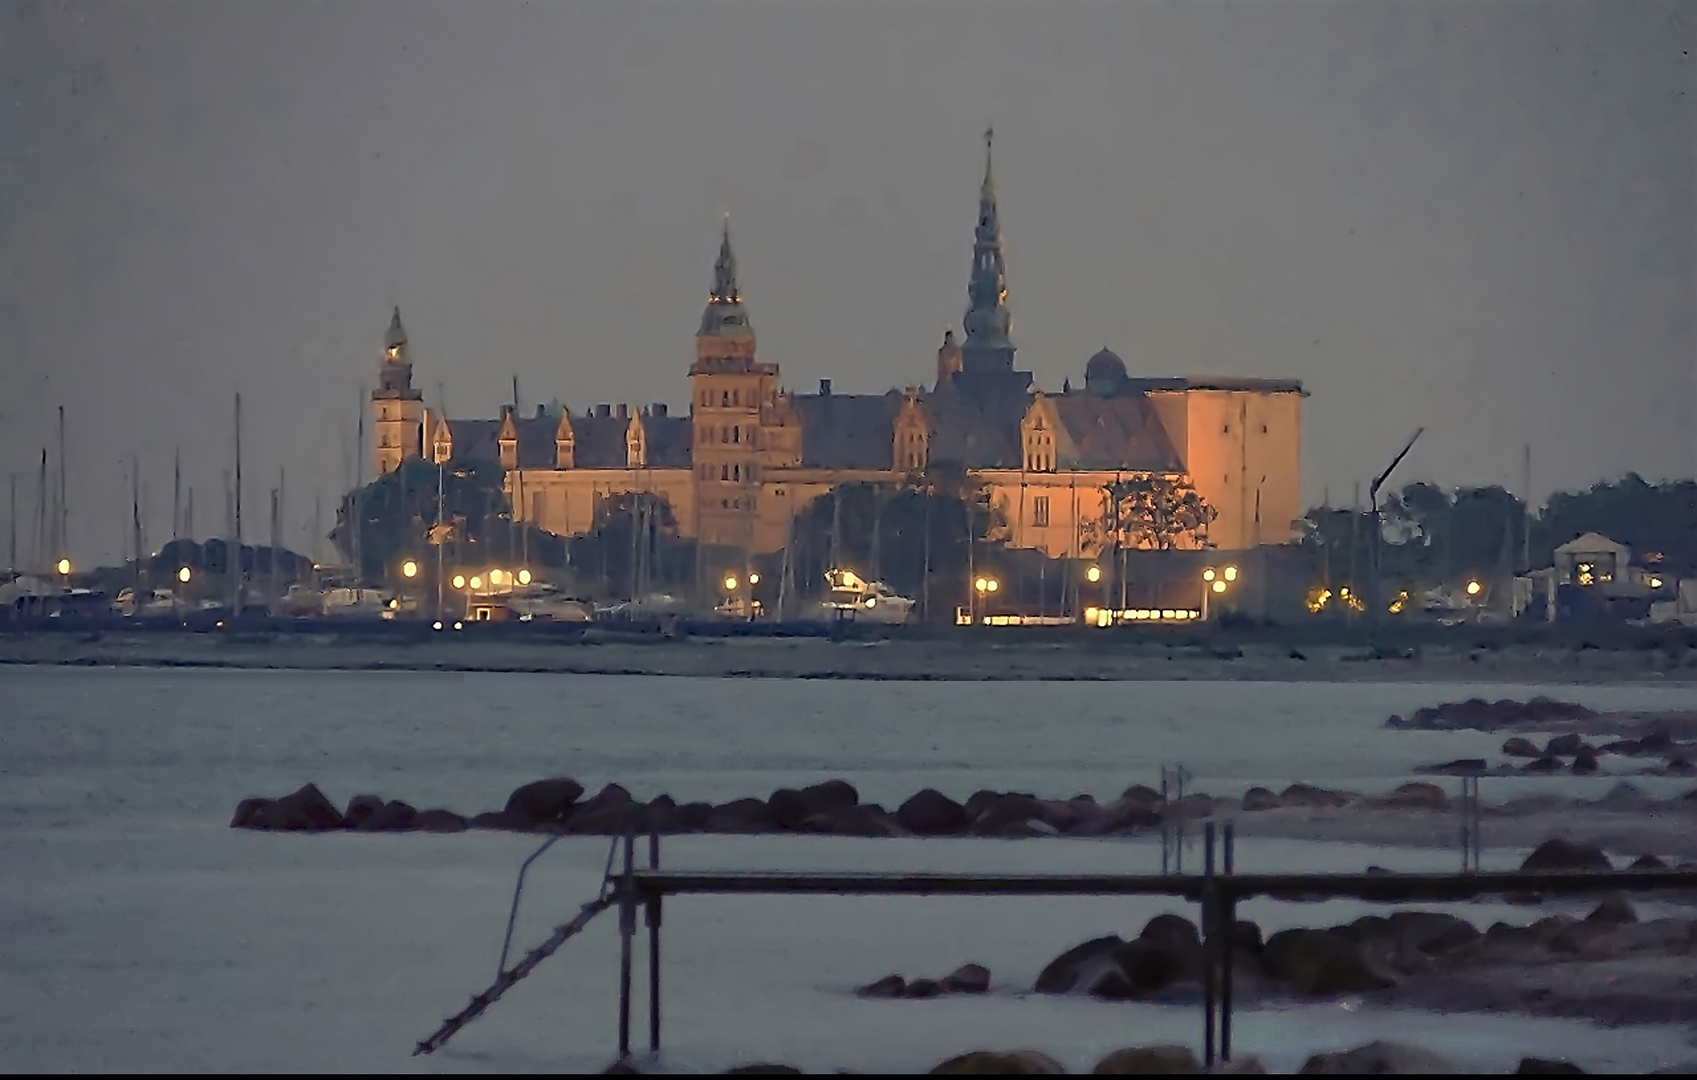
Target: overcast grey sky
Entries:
(1473, 216)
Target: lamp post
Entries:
(1215, 583)
(982, 587)
(184, 576)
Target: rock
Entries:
(1585, 763)
(1647, 862)
(1563, 745)
(1003, 811)
(303, 810)
(1520, 747)
(1545, 764)
(1458, 767)
(1547, 1067)
(542, 801)
(1433, 933)
(1119, 816)
(1246, 937)
(979, 801)
(1424, 796)
(890, 986)
(359, 808)
(830, 795)
(1065, 973)
(1141, 793)
(1322, 962)
(1614, 909)
(1149, 1061)
(931, 813)
(1624, 747)
(692, 816)
(1138, 969)
(1247, 1065)
(439, 821)
(920, 989)
(1560, 854)
(1311, 796)
(740, 816)
(763, 1069)
(498, 819)
(392, 816)
(867, 819)
(1659, 738)
(1195, 805)
(985, 1063)
(1259, 798)
(968, 979)
(788, 808)
(621, 1067)
(1380, 1056)
(1173, 931)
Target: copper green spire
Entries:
(987, 320)
(725, 315)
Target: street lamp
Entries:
(524, 577)
(409, 569)
(459, 581)
(1215, 583)
(476, 582)
(1093, 575)
(730, 583)
(1474, 588)
(754, 579)
(496, 576)
(184, 575)
(64, 567)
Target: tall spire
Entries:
(987, 320)
(396, 338)
(395, 372)
(725, 315)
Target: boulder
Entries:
(1259, 798)
(1138, 969)
(1564, 745)
(499, 819)
(830, 795)
(890, 986)
(438, 821)
(1458, 767)
(788, 808)
(1246, 937)
(920, 989)
(986, 1063)
(979, 800)
(867, 819)
(931, 813)
(1421, 795)
(303, 810)
(1310, 796)
(1322, 962)
(1520, 746)
(1149, 1061)
(1119, 816)
(621, 1067)
(1380, 1056)
(1560, 854)
(1433, 933)
(1545, 764)
(740, 816)
(1659, 738)
(359, 808)
(1003, 811)
(1195, 805)
(1173, 931)
(1647, 862)
(542, 801)
(392, 816)
(1141, 793)
(1546, 1067)
(1624, 747)
(692, 816)
(1615, 909)
(1585, 762)
(968, 979)
(1066, 972)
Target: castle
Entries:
(751, 453)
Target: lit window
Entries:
(1040, 511)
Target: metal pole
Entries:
(627, 931)
(1210, 944)
(1229, 921)
(654, 942)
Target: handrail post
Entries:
(1210, 943)
(654, 938)
(627, 931)
(1228, 919)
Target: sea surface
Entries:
(137, 931)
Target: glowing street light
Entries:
(730, 583)
(1093, 575)
(459, 581)
(1208, 574)
(1474, 588)
(495, 576)
(409, 569)
(64, 567)
(524, 577)
(1219, 586)
(1231, 573)
(476, 582)
(1215, 583)
(754, 579)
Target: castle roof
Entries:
(1119, 432)
(847, 431)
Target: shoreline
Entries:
(876, 660)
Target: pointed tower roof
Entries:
(725, 316)
(397, 335)
(987, 319)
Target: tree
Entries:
(1157, 512)
(634, 546)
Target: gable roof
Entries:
(847, 431)
(1119, 432)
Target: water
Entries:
(137, 931)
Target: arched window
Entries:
(724, 472)
(736, 433)
(725, 397)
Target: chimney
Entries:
(660, 409)
(824, 387)
(624, 411)
(541, 411)
(603, 411)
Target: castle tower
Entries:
(729, 392)
(398, 409)
(988, 347)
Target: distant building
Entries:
(751, 453)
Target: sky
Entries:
(1473, 217)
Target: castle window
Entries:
(736, 472)
(725, 397)
(724, 472)
(1263, 429)
(1226, 430)
(736, 433)
(1040, 511)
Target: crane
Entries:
(1373, 598)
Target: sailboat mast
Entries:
(12, 524)
(240, 567)
(42, 558)
(64, 539)
(135, 522)
(177, 496)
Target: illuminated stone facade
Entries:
(750, 454)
